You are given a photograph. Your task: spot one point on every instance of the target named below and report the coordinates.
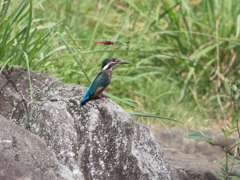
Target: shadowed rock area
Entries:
(24, 155)
(97, 141)
(194, 159)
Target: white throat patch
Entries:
(105, 67)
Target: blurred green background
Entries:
(181, 51)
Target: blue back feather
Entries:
(87, 94)
(101, 80)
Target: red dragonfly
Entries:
(105, 43)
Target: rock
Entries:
(193, 159)
(187, 167)
(197, 148)
(97, 141)
(23, 155)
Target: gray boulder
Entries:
(24, 155)
(97, 141)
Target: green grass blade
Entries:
(75, 57)
(4, 9)
(151, 115)
(121, 100)
(28, 29)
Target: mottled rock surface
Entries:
(97, 141)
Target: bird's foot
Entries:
(103, 99)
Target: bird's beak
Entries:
(123, 62)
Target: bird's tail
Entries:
(82, 103)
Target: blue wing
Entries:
(99, 81)
(87, 92)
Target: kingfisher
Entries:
(102, 79)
